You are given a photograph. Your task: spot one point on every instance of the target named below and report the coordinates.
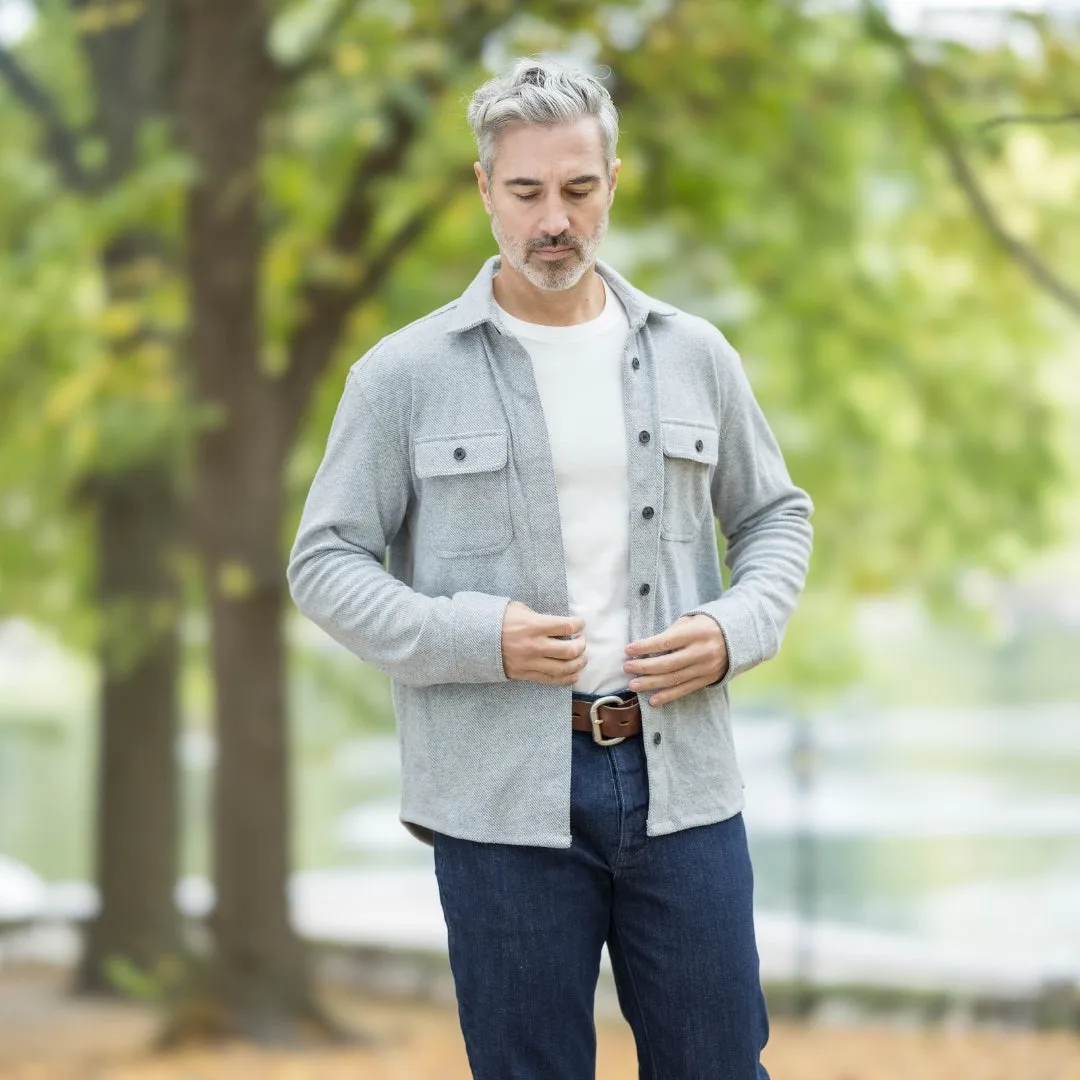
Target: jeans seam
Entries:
(620, 810)
(637, 1002)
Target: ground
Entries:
(45, 1035)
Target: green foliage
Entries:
(88, 380)
(132, 982)
(778, 178)
(177, 981)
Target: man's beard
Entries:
(558, 274)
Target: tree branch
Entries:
(1025, 256)
(312, 342)
(60, 141)
(288, 74)
(126, 63)
(357, 210)
(1053, 118)
(403, 238)
(329, 307)
(326, 307)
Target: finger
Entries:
(644, 683)
(675, 636)
(647, 645)
(676, 692)
(552, 680)
(544, 666)
(659, 665)
(559, 626)
(558, 649)
(687, 656)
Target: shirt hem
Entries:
(665, 828)
(423, 829)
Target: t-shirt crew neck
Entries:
(610, 317)
(578, 372)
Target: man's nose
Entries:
(554, 220)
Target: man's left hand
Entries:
(694, 655)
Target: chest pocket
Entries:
(690, 453)
(464, 493)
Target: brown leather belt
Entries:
(615, 721)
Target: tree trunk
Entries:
(137, 821)
(259, 982)
(136, 825)
(260, 963)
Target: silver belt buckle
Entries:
(594, 718)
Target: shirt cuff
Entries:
(740, 634)
(477, 637)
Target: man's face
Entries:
(548, 197)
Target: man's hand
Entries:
(535, 647)
(694, 655)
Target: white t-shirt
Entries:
(578, 372)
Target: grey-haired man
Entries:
(541, 460)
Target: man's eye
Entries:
(527, 198)
(579, 194)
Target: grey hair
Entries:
(534, 91)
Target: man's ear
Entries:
(482, 184)
(613, 183)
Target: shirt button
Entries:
(643, 436)
(699, 446)
(656, 738)
(644, 590)
(635, 363)
(647, 513)
(459, 453)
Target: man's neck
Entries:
(519, 297)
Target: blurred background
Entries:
(208, 212)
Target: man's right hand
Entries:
(536, 648)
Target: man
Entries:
(539, 459)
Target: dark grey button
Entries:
(644, 590)
(643, 437)
(459, 453)
(647, 513)
(656, 738)
(635, 363)
(699, 446)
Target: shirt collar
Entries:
(477, 303)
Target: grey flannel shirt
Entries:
(438, 467)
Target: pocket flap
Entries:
(698, 442)
(456, 455)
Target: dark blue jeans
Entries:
(526, 926)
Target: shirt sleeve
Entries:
(355, 507)
(764, 518)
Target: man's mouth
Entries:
(552, 252)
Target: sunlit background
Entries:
(880, 207)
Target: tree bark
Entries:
(259, 981)
(137, 832)
(137, 828)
